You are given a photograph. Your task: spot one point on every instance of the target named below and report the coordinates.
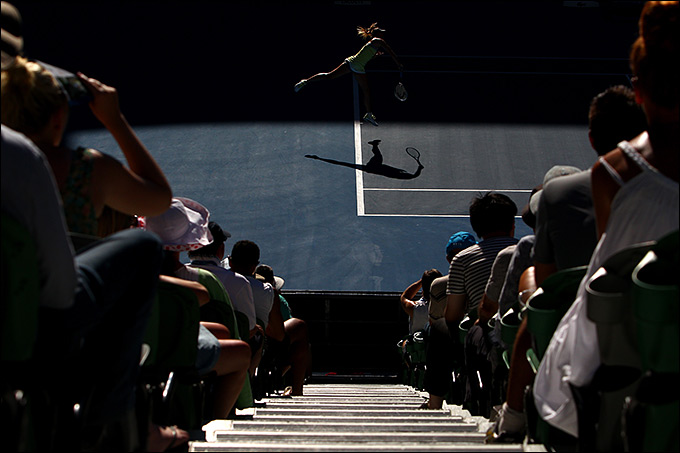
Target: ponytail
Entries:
(367, 33)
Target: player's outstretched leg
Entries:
(335, 73)
(300, 85)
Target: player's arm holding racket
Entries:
(383, 45)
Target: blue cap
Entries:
(460, 240)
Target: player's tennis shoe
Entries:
(300, 85)
(370, 118)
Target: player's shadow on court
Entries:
(375, 165)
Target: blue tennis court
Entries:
(498, 93)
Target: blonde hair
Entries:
(30, 95)
(367, 33)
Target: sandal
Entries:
(160, 441)
(174, 437)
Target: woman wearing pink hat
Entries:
(181, 228)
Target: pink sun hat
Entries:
(183, 227)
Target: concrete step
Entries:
(349, 417)
(327, 436)
(349, 411)
(354, 425)
(344, 400)
(348, 447)
(374, 389)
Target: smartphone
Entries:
(75, 90)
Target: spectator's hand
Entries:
(104, 104)
(257, 329)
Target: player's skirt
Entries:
(355, 66)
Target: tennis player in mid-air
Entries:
(356, 64)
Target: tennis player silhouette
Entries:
(375, 164)
(356, 64)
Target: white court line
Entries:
(456, 71)
(455, 216)
(445, 190)
(357, 150)
(359, 175)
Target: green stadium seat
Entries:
(548, 304)
(544, 311)
(653, 413)
(510, 323)
(19, 324)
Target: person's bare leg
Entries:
(255, 360)
(232, 371)
(435, 402)
(512, 420)
(299, 352)
(334, 74)
(362, 80)
(220, 331)
(520, 374)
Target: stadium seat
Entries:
(510, 323)
(19, 321)
(548, 304)
(652, 414)
(544, 310)
(608, 305)
(172, 335)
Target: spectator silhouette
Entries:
(486, 372)
(565, 233)
(565, 220)
(184, 227)
(292, 352)
(418, 310)
(94, 306)
(635, 195)
(209, 257)
(36, 104)
(244, 258)
(492, 217)
(457, 243)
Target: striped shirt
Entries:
(470, 269)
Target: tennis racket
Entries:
(400, 90)
(411, 151)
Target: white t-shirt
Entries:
(421, 316)
(263, 294)
(237, 286)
